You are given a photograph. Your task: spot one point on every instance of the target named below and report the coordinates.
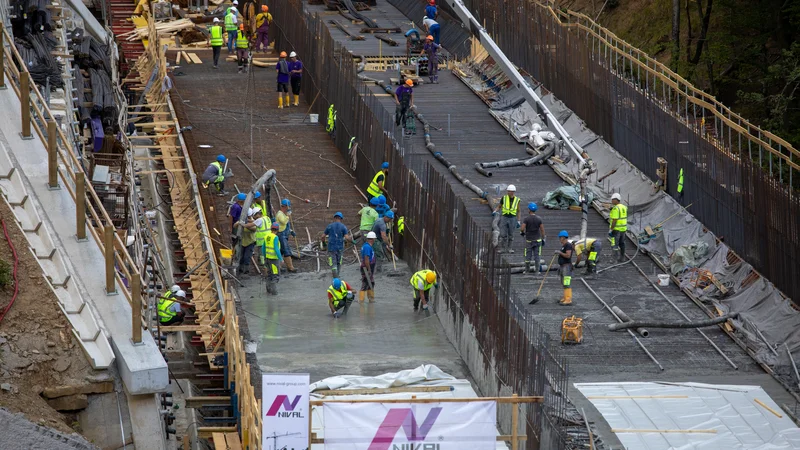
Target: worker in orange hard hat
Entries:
(283, 70)
(404, 98)
(431, 49)
(242, 49)
(263, 20)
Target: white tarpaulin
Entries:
(285, 411)
(686, 416)
(426, 426)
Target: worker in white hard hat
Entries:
(509, 221)
(295, 76)
(231, 27)
(368, 269)
(216, 40)
(617, 226)
(169, 309)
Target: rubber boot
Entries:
(527, 267)
(416, 304)
(280, 101)
(361, 296)
(290, 264)
(371, 295)
(287, 102)
(567, 300)
(296, 100)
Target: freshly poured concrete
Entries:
(295, 331)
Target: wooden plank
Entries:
(763, 405)
(178, 58)
(207, 432)
(376, 391)
(219, 441)
(195, 58)
(199, 402)
(173, 328)
(232, 441)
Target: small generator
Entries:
(572, 330)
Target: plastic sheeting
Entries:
(425, 373)
(721, 416)
(564, 197)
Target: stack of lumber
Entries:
(162, 28)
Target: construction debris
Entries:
(163, 29)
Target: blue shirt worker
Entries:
(215, 174)
(273, 257)
(368, 269)
(509, 221)
(432, 27)
(430, 49)
(431, 11)
(296, 76)
(335, 234)
(340, 296)
(283, 70)
(565, 266)
(378, 184)
(404, 98)
(235, 214)
(422, 282)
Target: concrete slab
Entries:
(295, 332)
(106, 421)
(146, 424)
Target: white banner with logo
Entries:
(410, 426)
(285, 411)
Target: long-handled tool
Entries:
(541, 285)
(651, 232)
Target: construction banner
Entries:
(410, 426)
(285, 410)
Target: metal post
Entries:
(108, 248)
(136, 308)
(80, 206)
(52, 156)
(2, 59)
(25, 104)
(514, 424)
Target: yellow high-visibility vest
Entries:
(421, 277)
(230, 25)
(269, 245)
(509, 206)
(261, 232)
(164, 312)
(241, 40)
(216, 36)
(619, 212)
(373, 189)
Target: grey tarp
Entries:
(564, 197)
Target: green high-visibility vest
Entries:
(619, 212)
(680, 181)
(241, 40)
(337, 296)
(220, 178)
(164, 313)
(230, 25)
(269, 245)
(420, 277)
(510, 206)
(261, 232)
(331, 119)
(373, 189)
(401, 224)
(216, 36)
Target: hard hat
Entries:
(240, 197)
(264, 8)
(424, 17)
(175, 288)
(338, 214)
(371, 235)
(241, 26)
(563, 233)
(216, 20)
(252, 211)
(293, 55)
(257, 195)
(221, 158)
(337, 283)
(381, 199)
(409, 82)
(374, 201)
(533, 206)
(235, 2)
(234, 10)
(275, 225)
(430, 277)
(432, 2)
(385, 165)
(616, 196)
(511, 188)
(286, 202)
(389, 214)
(283, 54)
(180, 294)
(430, 38)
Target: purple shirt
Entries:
(296, 65)
(404, 91)
(283, 77)
(431, 48)
(236, 213)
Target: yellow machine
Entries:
(572, 330)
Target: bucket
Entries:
(313, 118)
(225, 255)
(663, 280)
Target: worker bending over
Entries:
(169, 309)
(509, 207)
(381, 230)
(216, 40)
(335, 234)
(618, 225)
(295, 76)
(367, 269)
(565, 266)
(215, 174)
(242, 49)
(432, 27)
(368, 217)
(284, 231)
(282, 68)
(431, 48)
(248, 241)
(533, 231)
(273, 257)
(340, 296)
(382, 207)
(378, 184)
(592, 247)
(422, 282)
(263, 20)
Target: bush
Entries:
(6, 275)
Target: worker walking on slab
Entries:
(284, 231)
(431, 49)
(404, 98)
(381, 230)
(295, 76)
(231, 25)
(432, 27)
(422, 282)
(618, 225)
(368, 217)
(248, 241)
(340, 296)
(368, 269)
(533, 231)
(565, 266)
(335, 235)
(263, 20)
(215, 174)
(378, 184)
(169, 309)
(592, 247)
(235, 213)
(273, 257)
(509, 221)
(216, 41)
(242, 49)
(282, 67)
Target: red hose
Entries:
(16, 264)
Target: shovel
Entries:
(536, 299)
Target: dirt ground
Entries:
(37, 347)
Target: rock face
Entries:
(69, 402)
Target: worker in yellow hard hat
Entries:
(283, 79)
(263, 20)
(422, 282)
(404, 98)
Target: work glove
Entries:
(544, 242)
(580, 264)
(522, 233)
(336, 314)
(610, 233)
(557, 252)
(390, 247)
(518, 224)
(494, 213)
(293, 233)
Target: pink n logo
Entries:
(403, 418)
(282, 400)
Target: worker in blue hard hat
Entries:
(260, 203)
(382, 207)
(532, 230)
(378, 184)
(335, 234)
(283, 217)
(381, 230)
(235, 213)
(215, 174)
(565, 266)
(340, 296)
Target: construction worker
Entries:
(368, 217)
(261, 230)
(618, 225)
(422, 282)
(401, 225)
(404, 98)
(263, 20)
(231, 25)
(680, 185)
(378, 183)
(284, 231)
(295, 76)
(235, 213)
(509, 207)
(248, 241)
(431, 11)
(592, 247)
(242, 49)
(432, 27)
(431, 48)
(368, 269)
(565, 266)
(215, 174)
(340, 295)
(273, 257)
(335, 235)
(169, 309)
(382, 207)
(533, 231)
(260, 204)
(282, 68)
(216, 41)
(380, 228)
